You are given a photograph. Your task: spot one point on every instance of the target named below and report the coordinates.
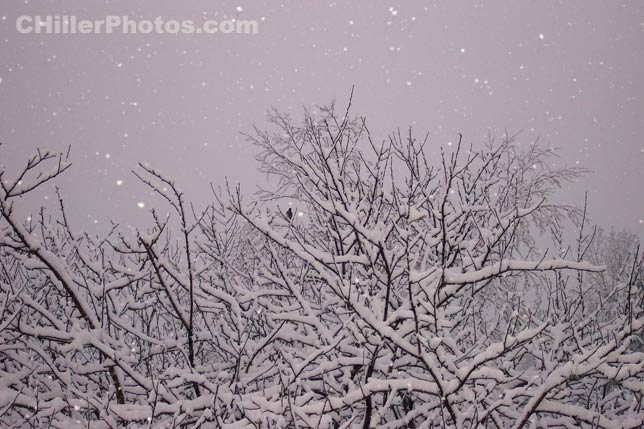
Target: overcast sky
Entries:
(569, 72)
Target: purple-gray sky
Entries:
(567, 71)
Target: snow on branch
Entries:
(372, 285)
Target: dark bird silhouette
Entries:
(289, 213)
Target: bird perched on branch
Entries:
(289, 213)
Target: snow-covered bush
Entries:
(399, 290)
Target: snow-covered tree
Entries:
(399, 290)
